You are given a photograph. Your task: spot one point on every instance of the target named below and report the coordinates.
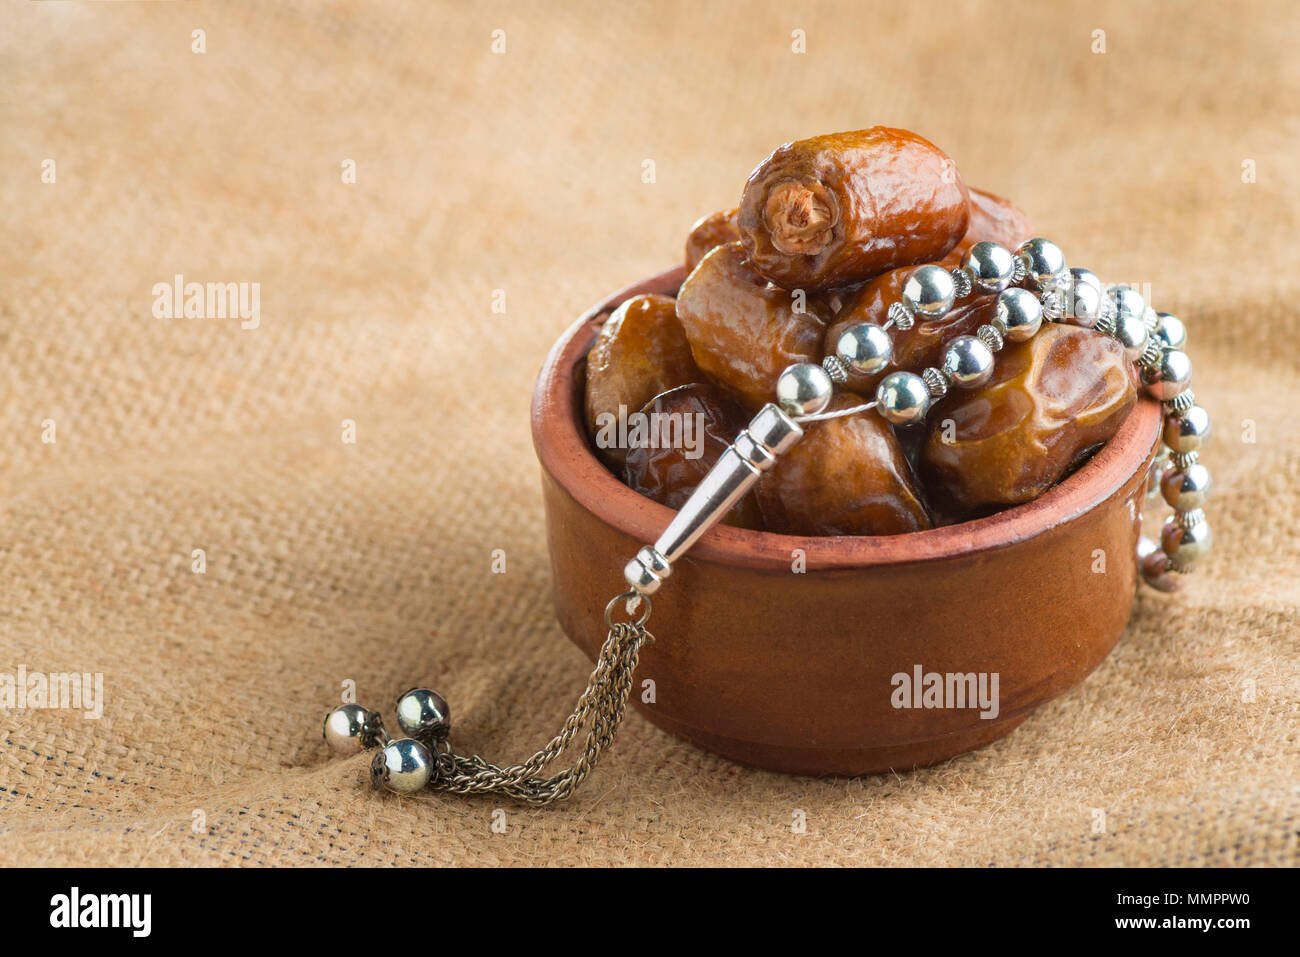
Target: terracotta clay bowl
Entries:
(798, 671)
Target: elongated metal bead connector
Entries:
(755, 450)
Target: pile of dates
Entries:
(827, 231)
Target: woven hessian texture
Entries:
(522, 171)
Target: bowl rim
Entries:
(560, 440)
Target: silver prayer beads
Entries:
(1168, 375)
(1170, 332)
(1019, 314)
(1086, 295)
(1032, 284)
(803, 393)
(804, 389)
(1043, 261)
(350, 728)
(929, 292)
(967, 362)
(903, 398)
(990, 266)
(423, 714)
(404, 766)
(864, 347)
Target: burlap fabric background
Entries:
(522, 172)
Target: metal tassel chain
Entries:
(602, 705)
(426, 758)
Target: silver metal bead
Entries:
(1131, 334)
(1044, 263)
(1187, 431)
(1019, 314)
(1168, 377)
(1150, 319)
(991, 266)
(423, 714)
(1184, 400)
(350, 728)
(928, 292)
(1182, 460)
(404, 766)
(967, 362)
(1128, 302)
(1084, 297)
(1185, 543)
(804, 389)
(903, 398)
(1170, 331)
(1187, 488)
(864, 347)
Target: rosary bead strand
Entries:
(1033, 286)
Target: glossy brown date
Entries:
(640, 352)
(678, 451)
(744, 332)
(995, 220)
(846, 476)
(1052, 399)
(839, 209)
(709, 233)
(992, 219)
